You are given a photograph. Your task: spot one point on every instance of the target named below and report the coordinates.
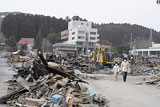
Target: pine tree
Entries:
(38, 41)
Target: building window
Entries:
(73, 38)
(92, 38)
(73, 33)
(81, 23)
(91, 44)
(81, 32)
(80, 37)
(93, 33)
(79, 43)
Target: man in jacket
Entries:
(124, 68)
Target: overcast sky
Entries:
(142, 12)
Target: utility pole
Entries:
(87, 34)
(131, 42)
(134, 47)
(43, 44)
(150, 37)
(86, 42)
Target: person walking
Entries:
(125, 68)
(116, 70)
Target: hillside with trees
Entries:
(22, 25)
(16, 26)
(2, 15)
(120, 34)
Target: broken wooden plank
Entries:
(53, 89)
(70, 90)
(152, 81)
(10, 95)
(63, 82)
(54, 70)
(33, 102)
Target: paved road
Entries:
(5, 74)
(127, 94)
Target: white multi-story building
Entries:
(81, 34)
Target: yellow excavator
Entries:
(103, 57)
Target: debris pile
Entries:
(151, 69)
(145, 68)
(155, 79)
(48, 84)
(82, 63)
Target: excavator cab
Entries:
(110, 60)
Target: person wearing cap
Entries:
(116, 70)
(125, 68)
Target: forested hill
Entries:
(2, 15)
(120, 34)
(28, 25)
(16, 26)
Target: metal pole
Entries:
(43, 44)
(87, 41)
(131, 43)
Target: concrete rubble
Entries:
(151, 69)
(42, 82)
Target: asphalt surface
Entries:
(126, 94)
(5, 74)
